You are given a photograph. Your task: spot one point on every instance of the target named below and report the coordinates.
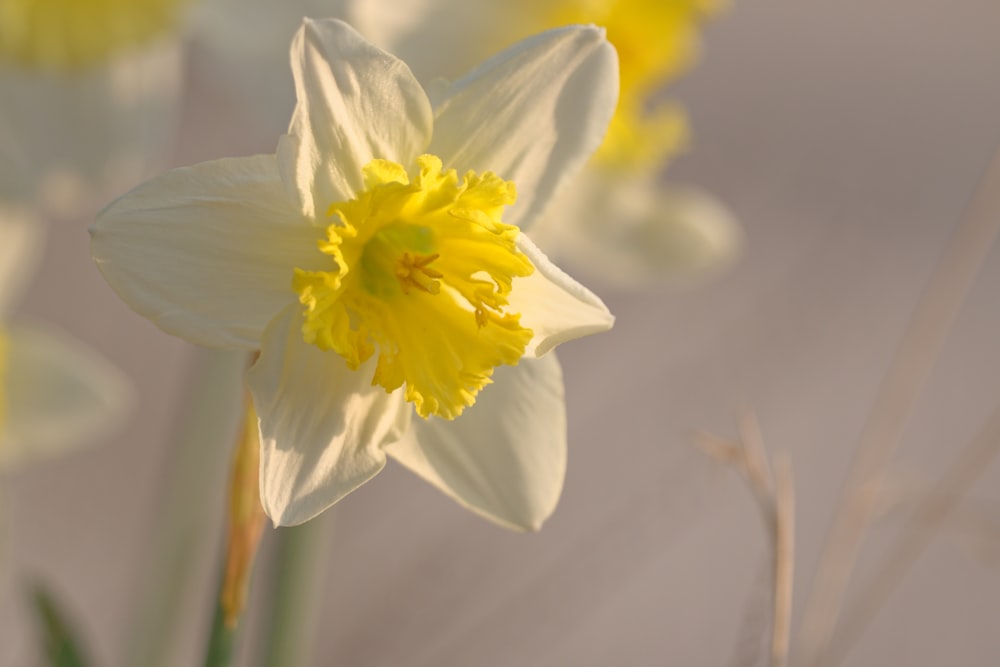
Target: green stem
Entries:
(187, 526)
(297, 580)
(220, 644)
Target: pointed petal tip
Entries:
(323, 427)
(598, 31)
(555, 306)
(595, 327)
(285, 515)
(313, 26)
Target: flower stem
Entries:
(222, 640)
(175, 569)
(246, 526)
(297, 575)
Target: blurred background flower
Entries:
(56, 394)
(90, 98)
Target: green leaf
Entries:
(59, 639)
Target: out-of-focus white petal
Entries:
(71, 140)
(58, 394)
(533, 114)
(505, 457)
(207, 252)
(355, 103)
(631, 231)
(553, 305)
(323, 426)
(472, 30)
(21, 241)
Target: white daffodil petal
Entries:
(472, 30)
(533, 114)
(553, 305)
(207, 252)
(21, 242)
(632, 232)
(356, 103)
(505, 457)
(323, 426)
(57, 394)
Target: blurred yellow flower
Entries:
(656, 41)
(361, 235)
(69, 34)
(90, 94)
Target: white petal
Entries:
(207, 252)
(323, 427)
(415, 30)
(72, 141)
(631, 231)
(553, 305)
(21, 242)
(355, 103)
(532, 114)
(505, 457)
(58, 395)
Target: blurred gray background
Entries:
(848, 138)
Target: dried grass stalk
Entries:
(906, 376)
(773, 489)
(920, 526)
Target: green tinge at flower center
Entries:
(67, 35)
(421, 271)
(397, 259)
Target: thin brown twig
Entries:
(774, 492)
(910, 368)
(920, 526)
(784, 560)
(758, 466)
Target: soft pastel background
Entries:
(848, 138)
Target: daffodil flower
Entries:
(88, 98)
(376, 264)
(656, 233)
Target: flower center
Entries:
(73, 34)
(421, 271)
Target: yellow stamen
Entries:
(68, 35)
(420, 270)
(415, 272)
